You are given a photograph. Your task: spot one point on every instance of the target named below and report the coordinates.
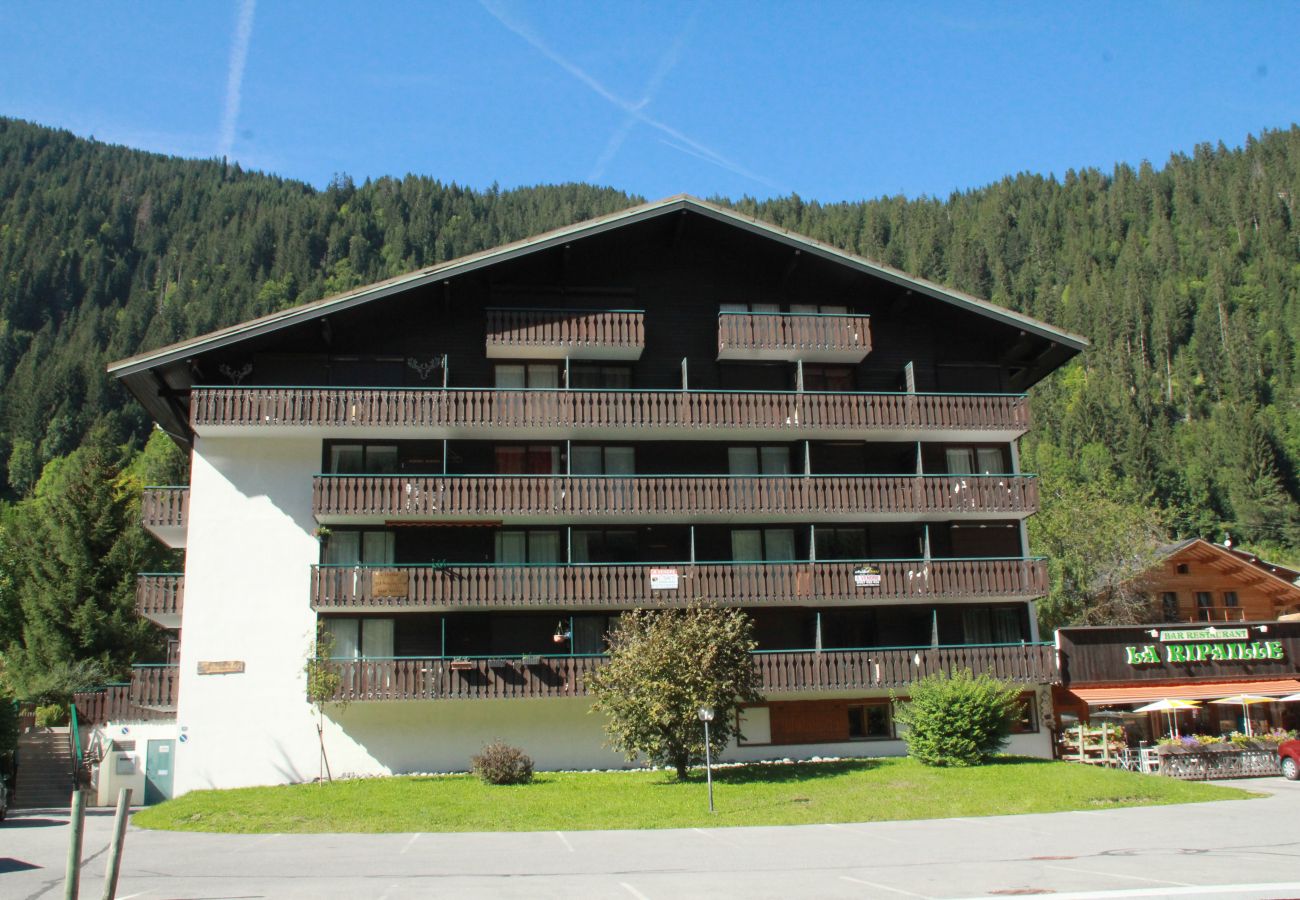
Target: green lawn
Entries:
(857, 791)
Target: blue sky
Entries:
(834, 101)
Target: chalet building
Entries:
(1227, 623)
(467, 472)
(1200, 581)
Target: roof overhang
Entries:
(1066, 344)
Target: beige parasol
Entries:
(1171, 707)
(1245, 700)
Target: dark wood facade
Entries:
(1102, 656)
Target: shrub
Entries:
(958, 719)
(51, 714)
(499, 763)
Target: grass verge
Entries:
(804, 793)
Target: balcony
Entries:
(149, 695)
(154, 687)
(160, 596)
(784, 672)
(374, 499)
(598, 415)
(164, 512)
(786, 337)
(615, 334)
(456, 587)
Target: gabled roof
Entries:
(1285, 590)
(465, 264)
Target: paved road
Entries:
(1229, 849)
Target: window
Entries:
(361, 638)
(1025, 720)
(589, 460)
(351, 548)
(528, 547)
(592, 377)
(869, 722)
(974, 461)
(841, 543)
(828, 378)
(976, 627)
(589, 633)
(1006, 626)
(758, 460)
(1169, 606)
(515, 376)
(540, 459)
(1204, 605)
(363, 459)
(1182, 569)
(1230, 599)
(605, 545)
(813, 308)
(760, 544)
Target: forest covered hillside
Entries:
(1185, 277)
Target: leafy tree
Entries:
(958, 719)
(323, 683)
(663, 666)
(1099, 537)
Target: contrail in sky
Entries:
(666, 65)
(634, 110)
(235, 77)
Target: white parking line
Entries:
(565, 842)
(1117, 875)
(882, 887)
(1277, 889)
(633, 891)
(411, 843)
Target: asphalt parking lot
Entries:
(1228, 849)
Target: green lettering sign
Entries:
(1142, 656)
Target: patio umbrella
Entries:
(1245, 700)
(1171, 707)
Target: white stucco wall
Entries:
(247, 579)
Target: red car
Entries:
(1288, 753)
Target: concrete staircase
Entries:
(44, 767)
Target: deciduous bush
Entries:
(499, 763)
(51, 714)
(958, 719)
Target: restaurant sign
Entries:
(1150, 654)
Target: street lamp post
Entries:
(706, 716)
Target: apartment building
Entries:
(467, 472)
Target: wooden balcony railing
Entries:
(791, 336)
(149, 695)
(781, 672)
(113, 704)
(154, 687)
(164, 512)
(558, 413)
(719, 497)
(160, 596)
(337, 588)
(556, 333)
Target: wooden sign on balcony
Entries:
(391, 583)
(221, 667)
